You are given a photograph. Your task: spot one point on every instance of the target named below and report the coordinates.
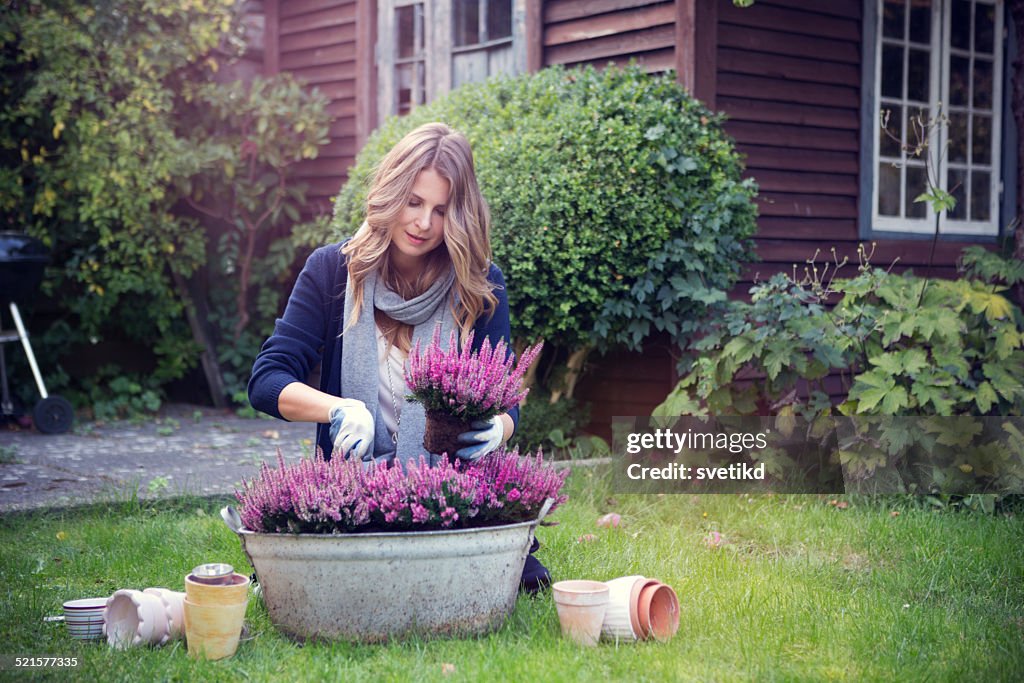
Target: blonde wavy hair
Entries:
(467, 230)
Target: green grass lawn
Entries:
(800, 590)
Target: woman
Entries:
(421, 259)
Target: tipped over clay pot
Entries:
(658, 611)
(174, 607)
(135, 618)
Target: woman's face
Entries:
(420, 226)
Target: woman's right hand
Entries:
(351, 428)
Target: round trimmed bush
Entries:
(616, 198)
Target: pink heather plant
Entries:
(472, 385)
(340, 496)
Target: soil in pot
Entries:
(442, 433)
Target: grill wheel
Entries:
(53, 415)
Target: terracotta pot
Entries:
(227, 594)
(174, 607)
(622, 619)
(658, 611)
(581, 607)
(442, 432)
(643, 616)
(135, 618)
(213, 631)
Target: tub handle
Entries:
(232, 519)
(544, 509)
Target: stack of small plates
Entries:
(85, 617)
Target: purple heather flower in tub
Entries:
(470, 385)
(339, 496)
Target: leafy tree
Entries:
(245, 140)
(89, 155)
(111, 122)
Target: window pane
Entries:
(984, 28)
(421, 76)
(890, 131)
(892, 19)
(916, 185)
(959, 75)
(920, 21)
(888, 190)
(980, 195)
(983, 83)
(892, 71)
(405, 26)
(467, 22)
(960, 25)
(956, 181)
(499, 19)
(958, 137)
(981, 142)
(403, 80)
(917, 76)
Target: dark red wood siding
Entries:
(595, 31)
(316, 41)
(788, 76)
(786, 72)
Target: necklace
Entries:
(394, 401)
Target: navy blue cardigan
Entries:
(310, 331)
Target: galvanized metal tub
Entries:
(379, 586)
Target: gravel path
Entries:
(185, 449)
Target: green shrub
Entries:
(549, 426)
(617, 203)
(905, 346)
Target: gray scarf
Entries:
(360, 370)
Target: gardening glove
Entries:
(351, 428)
(485, 438)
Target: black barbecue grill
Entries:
(22, 260)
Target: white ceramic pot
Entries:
(621, 620)
(135, 618)
(174, 607)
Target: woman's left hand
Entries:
(485, 438)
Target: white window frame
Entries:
(438, 44)
(939, 93)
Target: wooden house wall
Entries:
(577, 32)
(316, 40)
(786, 72)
